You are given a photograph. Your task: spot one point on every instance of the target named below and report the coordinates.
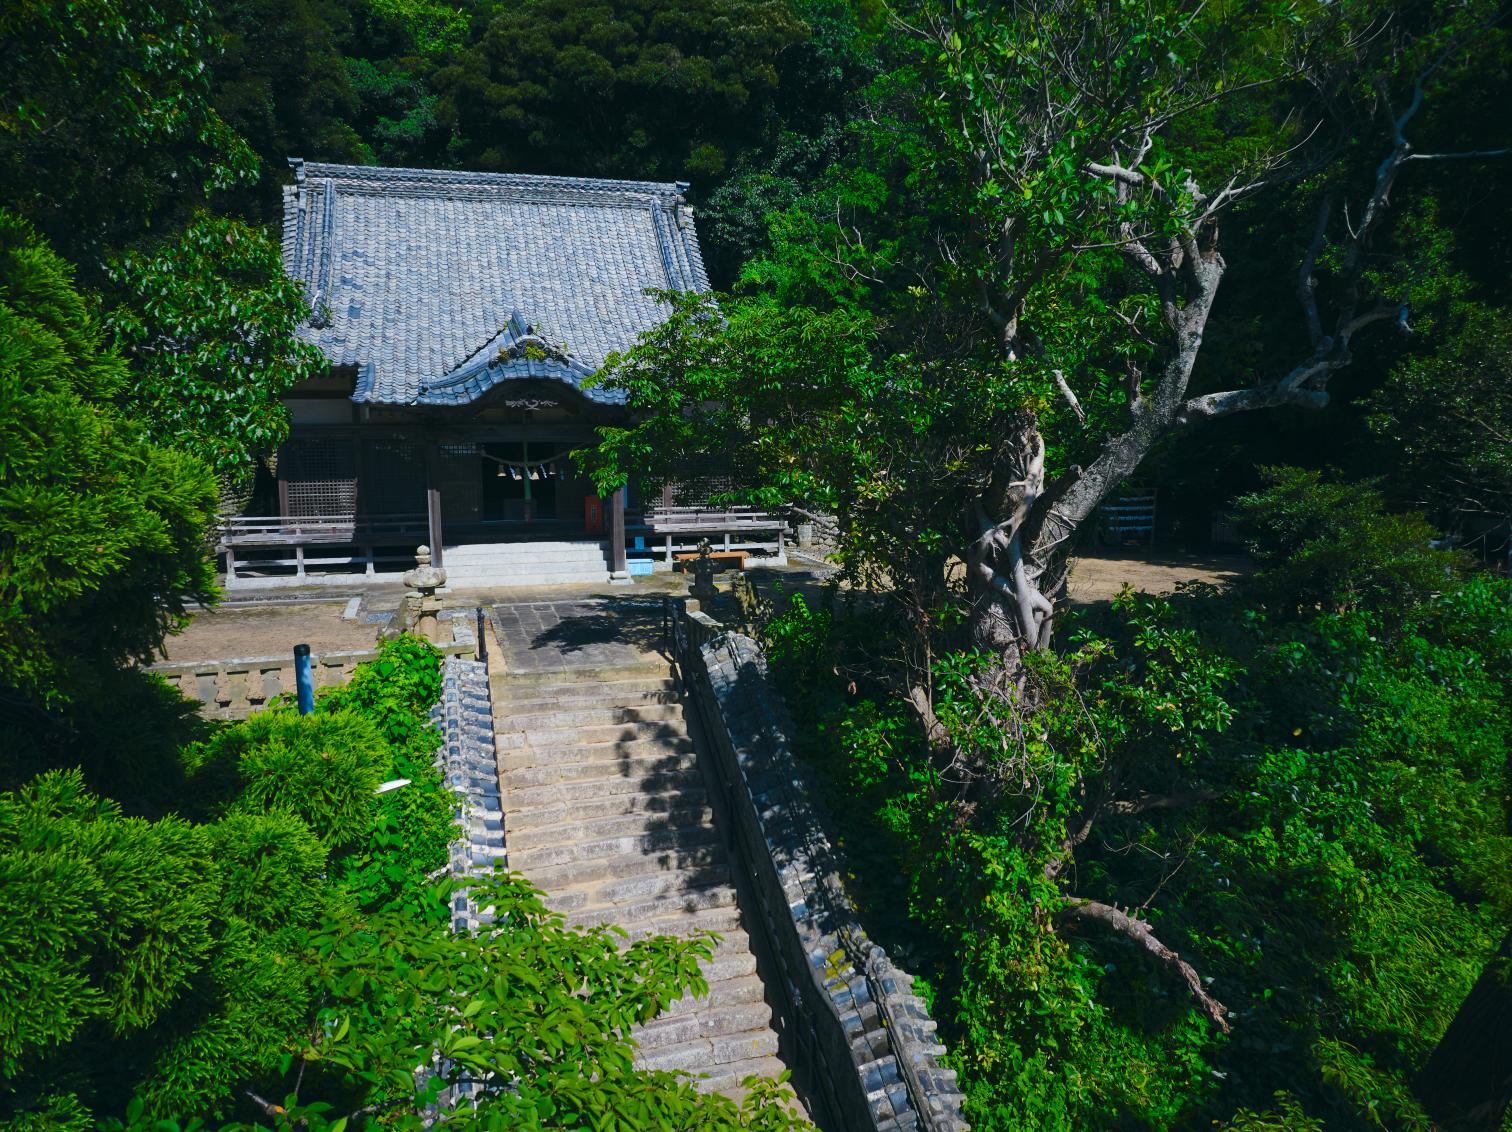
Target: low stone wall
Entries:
(865, 1039)
(234, 689)
(465, 717)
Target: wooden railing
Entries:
(292, 530)
(364, 534)
(731, 528)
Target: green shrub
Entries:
(102, 535)
(1335, 546)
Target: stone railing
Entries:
(865, 1041)
(234, 689)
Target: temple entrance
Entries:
(524, 481)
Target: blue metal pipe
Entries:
(304, 681)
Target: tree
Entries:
(210, 324)
(118, 85)
(101, 531)
(1467, 1083)
(620, 88)
(997, 309)
(1447, 416)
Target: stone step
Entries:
(654, 783)
(635, 823)
(742, 988)
(711, 1055)
(544, 766)
(562, 717)
(591, 697)
(659, 915)
(598, 807)
(713, 1022)
(725, 921)
(729, 1077)
(482, 578)
(661, 841)
(650, 673)
(525, 552)
(651, 885)
(589, 736)
(553, 877)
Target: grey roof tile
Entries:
(439, 285)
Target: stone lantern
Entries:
(702, 590)
(421, 605)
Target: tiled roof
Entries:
(436, 285)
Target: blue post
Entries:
(303, 680)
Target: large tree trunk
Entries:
(1467, 1084)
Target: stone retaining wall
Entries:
(865, 1039)
(234, 689)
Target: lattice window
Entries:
(393, 477)
(459, 472)
(321, 477)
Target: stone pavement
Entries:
(579, 633)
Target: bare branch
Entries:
(1095, 911)
(1458, 156)
(1070, 395)
(1147, 802)
(1307, 279)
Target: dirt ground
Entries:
(1097, 578)
(273, 628)
(269, 630)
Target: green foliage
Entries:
(536, 1012)
(101, 532)
(412, 826)
(1319, 825)
(629, 88)
(1447, 416)
(158, 956)
(323, 769)
(1334, 546)
(113, 85)
(208, 320)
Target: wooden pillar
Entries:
(621, 568)
(433, 499)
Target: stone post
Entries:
(702, 590)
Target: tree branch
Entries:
(1095, 911)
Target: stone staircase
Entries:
(606, 810)
(526, 563)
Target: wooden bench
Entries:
(727, 559)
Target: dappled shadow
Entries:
(595, 633)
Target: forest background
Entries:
(1234, 859)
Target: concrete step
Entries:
(728, 1079)
(724, 921)
(592, 735)
(527, 552)
(520, 770)
(554, 877)
(647, 674)
(714, 1022)
(616, 850)
(514, 718)
(742, 988)
(504, 708)
(645, 821)
(501, 579)
(656, 783)
(710, 1055)
(676, 913)
(598, 808)
(652, 885)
